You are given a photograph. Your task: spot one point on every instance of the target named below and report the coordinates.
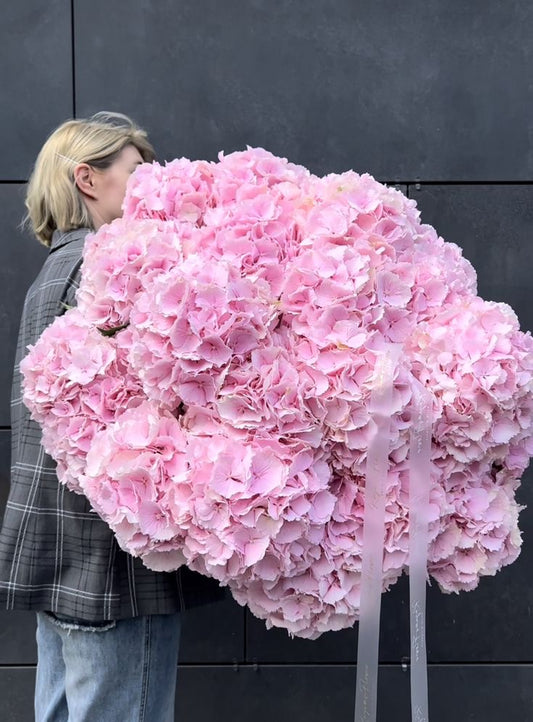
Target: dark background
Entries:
(433, 95)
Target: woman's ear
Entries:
(84, 179)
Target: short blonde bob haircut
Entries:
(53, 200)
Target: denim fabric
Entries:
(116, 671)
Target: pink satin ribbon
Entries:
(373, 541)
(377, 466)
(419, 486)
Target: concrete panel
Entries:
(35, 77)
(403, 91)
(493, 225)
(476, 693)
(213, 634)
(16, 694)
(17, 638)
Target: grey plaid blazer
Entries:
(56, 553)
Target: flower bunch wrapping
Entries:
(209, 393)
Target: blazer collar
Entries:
(61, 238)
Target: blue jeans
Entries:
(123, 671)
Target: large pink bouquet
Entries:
(209, 394)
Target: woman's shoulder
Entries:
(66, 251)
(67, 240)
(58, 278)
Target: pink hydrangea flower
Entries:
(210, 393)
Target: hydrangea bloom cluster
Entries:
(209, 393)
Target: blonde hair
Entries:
(53, 200)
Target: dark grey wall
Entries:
(433, 94)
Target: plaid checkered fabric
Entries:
(56, 553)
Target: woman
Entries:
(107, 627)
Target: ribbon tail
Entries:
(373, 539)
(419, 486)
